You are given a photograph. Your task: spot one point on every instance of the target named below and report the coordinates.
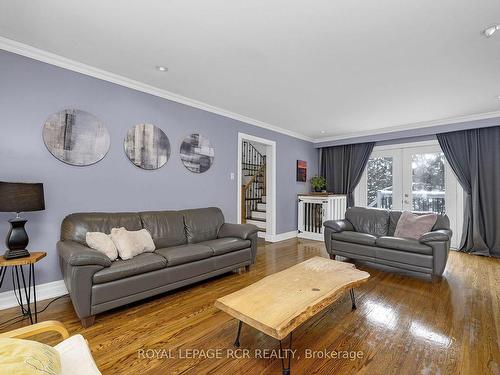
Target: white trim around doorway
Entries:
(270, 179)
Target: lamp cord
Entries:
(24, 316)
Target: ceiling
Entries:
(324, 69)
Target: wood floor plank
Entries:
(403, 325)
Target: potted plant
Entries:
(318, 183)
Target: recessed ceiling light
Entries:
(161, 68)
(498, 97)
(491, 30)
(323, 132)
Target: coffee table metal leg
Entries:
(286, 370)
(352, 299)
(237, 341)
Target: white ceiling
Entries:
(346, 67)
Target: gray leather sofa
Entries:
(191, 245)
(367, 234)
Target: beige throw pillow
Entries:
(25, 357)
(132, 243)
(103, 243)
(413, 226)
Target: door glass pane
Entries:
(379, 182)
(428, 190)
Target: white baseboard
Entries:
(281, 236)
(43, 291)
(311, 236)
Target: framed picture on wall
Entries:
(301, 170)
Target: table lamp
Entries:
(19, 197)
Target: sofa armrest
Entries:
(76, 254)
(338, 226)
(243, 231)
(436, 235)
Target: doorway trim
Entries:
(270, 180)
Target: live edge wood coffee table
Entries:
(279, 303)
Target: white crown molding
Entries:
(412, 126)
(43, 292)
(63, 62)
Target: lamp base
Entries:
(12, 254)
(17, 239)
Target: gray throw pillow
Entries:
(414, 226)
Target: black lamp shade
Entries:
(21, 197)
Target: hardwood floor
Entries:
(402, 325)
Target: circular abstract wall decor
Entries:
(147, 146)
(76, 137)
(196, 153)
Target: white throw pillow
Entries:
(76, 358)
(102, 242)
(132, 243)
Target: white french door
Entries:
(412, 177)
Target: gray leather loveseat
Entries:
(191, 245)
(367, 234)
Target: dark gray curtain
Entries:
(343, 166)
(474, 156)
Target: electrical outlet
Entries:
(231, 176)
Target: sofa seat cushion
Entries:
(404, 244)
(226, 245)
(185, 253)
(120, 269)
(355, 237)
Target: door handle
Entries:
(406, 195)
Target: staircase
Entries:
(253, 190)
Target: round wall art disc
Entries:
(147, 146)
(196, 153)
(76, 137)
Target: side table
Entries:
(17, 269)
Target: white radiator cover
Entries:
(314, 210)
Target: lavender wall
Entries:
(31, 90)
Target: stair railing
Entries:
(254, 164)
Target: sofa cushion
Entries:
(355, 237)
(75, 226)
(185, 253)
(404, 244)
(121, 269)
(103, 243)
(27, 357)
(226, 244)
(414, 226)
(131, 243)
(369, 220)
(166, 227)
(202, 224)
(442, 221)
